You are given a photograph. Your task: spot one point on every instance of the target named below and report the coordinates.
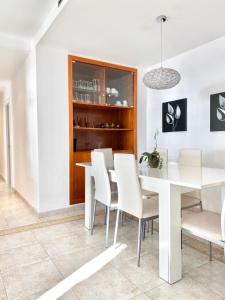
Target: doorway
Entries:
(8, 144)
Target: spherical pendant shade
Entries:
(161, 78)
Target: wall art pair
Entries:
(174, 114)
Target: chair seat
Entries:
(188, 200)
(147, 194)
(150, 207)
(206, 225)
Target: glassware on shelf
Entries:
(95, 84)
(87, 98)
(90, 86)
(75, 95)
(75, 84)
(79, 85)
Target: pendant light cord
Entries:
(161, 42)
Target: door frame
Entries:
(8, 144)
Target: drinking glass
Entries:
(79, 84)
(87, 98)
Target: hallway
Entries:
(16, 215)
(14, 211)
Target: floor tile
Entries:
(140, 297)
(2, 290)
(16, 240)
(50, 233)
(106, 284)
(70, 295)
(144, 277)
(3, 223)
(186, 289)
(26, 219)
(64, 245)
(211, 275)
(22, 256)
(192, 258)
(14, 285)
(70, 262)
(29, 280)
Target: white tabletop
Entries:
(192, 177)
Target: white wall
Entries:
(2, 141)
(24, 131)
(203, 73)
(141, 113)
(53, 128)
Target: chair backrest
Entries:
(164, 155)
(129, 191)
(223, 222)
(190, 157)
(108, 154)
(101, 178)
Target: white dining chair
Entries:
(191, 158)
(130, 199)
(108, 154)
(164, 155)
(103, 193)
(207, 225)
(163, 152)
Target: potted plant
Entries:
(153, 159)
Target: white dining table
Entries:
(169, 182)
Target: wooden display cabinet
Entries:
(102, 113)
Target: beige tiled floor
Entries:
(33, 261)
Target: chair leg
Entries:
(210, 251)
(181, 238)
(201, 205)
(139, 242)
(107, 227)
(148, 226)
(93, 217)
(116, 226)
(143, 228)
(122, 218)
(152, 227)
(105, 217)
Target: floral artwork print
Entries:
(221, 109)
(217, 112)
(175, 116)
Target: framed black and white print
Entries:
(217, 112)
(174, 116)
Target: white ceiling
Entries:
(20, 20)
(23, 18)
(125, 31)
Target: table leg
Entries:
(170, 261)
(89, 197)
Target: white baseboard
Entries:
(73, 207)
